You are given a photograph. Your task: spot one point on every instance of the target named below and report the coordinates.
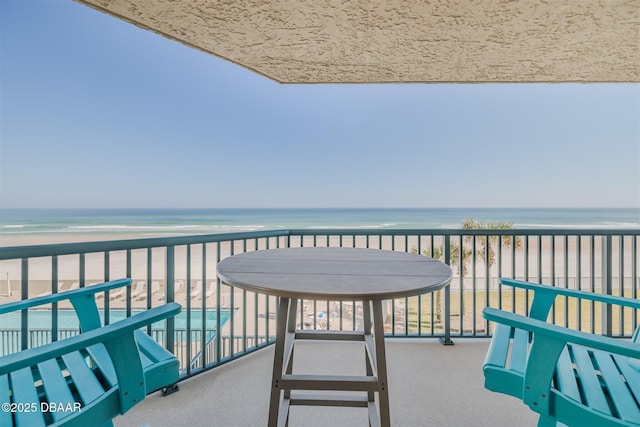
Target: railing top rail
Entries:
(14, 252)
(467, 231)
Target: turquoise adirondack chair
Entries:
(567, 376)
(88, 379)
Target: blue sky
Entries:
(95, 112)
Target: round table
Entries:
(336, 274)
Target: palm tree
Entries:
(487, 252)
(454, 256)
(482, 250)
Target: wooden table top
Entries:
(334, 273)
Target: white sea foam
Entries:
(234, 227)
(355, 227)
(580, 226)
(131, 227)
(162, 229)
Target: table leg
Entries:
(278, 360)
(291, 329)
(366, 314)
(381, 363)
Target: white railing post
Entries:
(170, 294)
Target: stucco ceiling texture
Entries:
(436, 41)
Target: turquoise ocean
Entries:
(142, 223)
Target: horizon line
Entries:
(318, 208)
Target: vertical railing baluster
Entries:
(107, 298)
(553, 275)
(620, 283)
(188, 309)
(579, 279)
(539, 259)
(566, 278)
(170, 294)
(128, 291)
(634, 278)
(592, 284)
(218, 323)
(267, 315)
(24, 294)
(54, 306)
(149, 283)
(82, 270)
(406, 316)
(461, 288)
(232, 321)
(447, 295)
(526, 275)
(606, 283)
(406, 308)
(326, 314)
(514, 242)
(499, 267)
(487, 289)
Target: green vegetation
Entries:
(485, 246)
(585, 316)
(466, 307)
(485, 250)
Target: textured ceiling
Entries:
(323, 41)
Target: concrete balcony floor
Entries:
(429, 385)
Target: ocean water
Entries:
(131, 223)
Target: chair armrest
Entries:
(109, 333)
(87, 292)
(608, 299)
(565, 335)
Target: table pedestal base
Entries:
(289, 389)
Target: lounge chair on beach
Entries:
(155, 287)
(119, 293)
(178, 286)
(211, 289)
(60, 289)
(138, 290)
(197, 289)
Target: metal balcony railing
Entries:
(220, 323)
